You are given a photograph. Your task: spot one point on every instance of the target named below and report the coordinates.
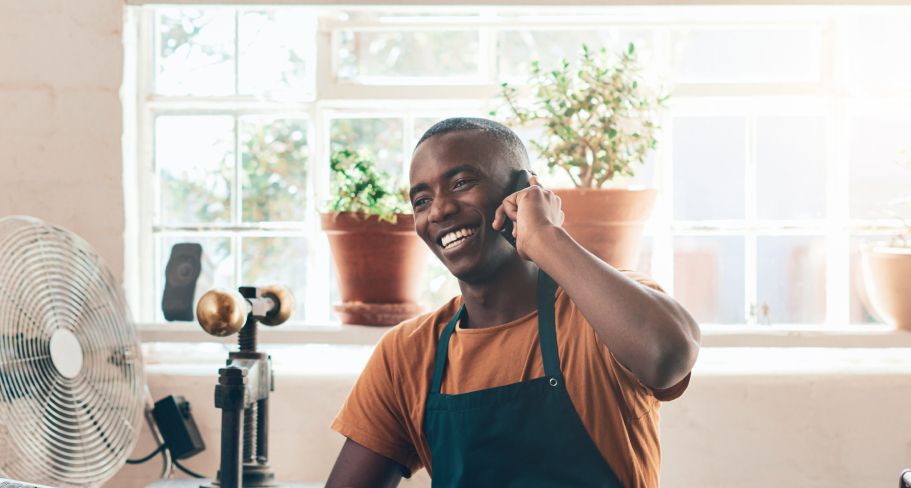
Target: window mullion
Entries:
(751, 273)
(838, 291)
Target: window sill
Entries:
(330, 362)
(857, 336)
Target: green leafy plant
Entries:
(360, 187)
(599, 119)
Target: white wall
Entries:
(60, 117)
(782, 417)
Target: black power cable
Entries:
(187, 471)
(146, 458)
(174, 461)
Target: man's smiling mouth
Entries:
(457, 237)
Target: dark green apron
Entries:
(526, 434)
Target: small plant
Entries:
(360, 187)
(599, 120)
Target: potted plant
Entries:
(378, 256)
(599, 124)
(886, 270)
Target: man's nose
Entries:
(443, 207)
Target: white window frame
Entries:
(825, 98)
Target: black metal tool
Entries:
(244, 384)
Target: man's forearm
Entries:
(646, 330)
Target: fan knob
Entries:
(284, 303)
(222, 312)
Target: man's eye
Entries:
(419, 202)
(461, 183)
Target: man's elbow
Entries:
(676, 356)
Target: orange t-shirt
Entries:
(385, 410)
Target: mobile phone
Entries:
(520, 182)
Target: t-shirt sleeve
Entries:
(373, 416)
(630, 379)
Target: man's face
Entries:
(458, 179)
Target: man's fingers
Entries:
(507, 210)
(498, 217)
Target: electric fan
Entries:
(72, 390)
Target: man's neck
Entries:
(507, 295)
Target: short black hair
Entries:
(496, 131)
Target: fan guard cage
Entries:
(71, 379)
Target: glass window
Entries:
(275, 161)
(194, 155)
(791, 287)
(403, 54)
(746, 54)
(785, 125)
(379, 139)
(195, 52)
(275, 58)
(516, 49)
(709, 278)
(709, 160)
(880, 166)
(790, 160)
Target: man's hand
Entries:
(532, 210)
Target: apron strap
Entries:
(439, 362)
(547, 334)
(547, 330)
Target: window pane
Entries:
(516, 49)
(425, 54)
(380, 139)
(217, 269)
(194, 155)
(880, 148)
(877, 49)
(421, 124)
(790, 167)
(708, 163)
(275, 155)
(861, 312)
(277, 261)
(747, 55)
(276, 57)
(791, 278)
(195, 52)
(709, 278)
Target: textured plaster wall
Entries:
(813, 418)
(61, 67)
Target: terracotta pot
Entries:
(608, 222)
(887, 280)
(379, 267)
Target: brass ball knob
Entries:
(284, 301)
(222, 312)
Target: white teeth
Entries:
(456, 235)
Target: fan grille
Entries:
(75, 427)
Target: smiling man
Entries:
(547, 370)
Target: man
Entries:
(546, 371)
